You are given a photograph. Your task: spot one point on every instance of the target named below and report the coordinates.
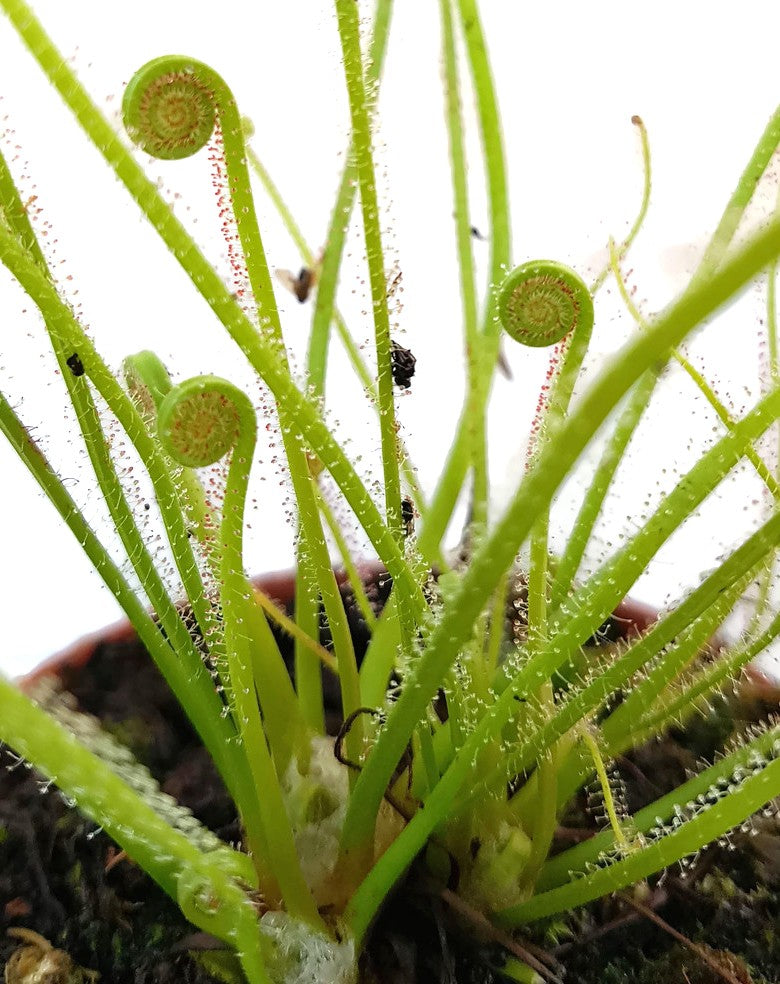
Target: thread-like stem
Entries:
(743, 193)
(451, 480)
(148, 383)
(347, 340)
(544, 821)
(699, 381)
(612, 455)
(594, 751)
(686, 838)
(535, 493)
(165, 853)
(15, 214)
(579, 858)
(66, 337)
(308, 675)
(541, 303)
(324, 302)
(263, 357)
(170, 109)
(353, 574)
(174, 71)
(294, 631)
(647, 186)
(199, 422)
(472, 339)
(439, 804)
(347, 15)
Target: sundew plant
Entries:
(465, 733)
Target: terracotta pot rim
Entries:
(636, 616)
(279, 584)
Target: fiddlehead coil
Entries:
(147, 381)
(199, 421)
(540, 302)
(169, 107)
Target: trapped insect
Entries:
(403, 365)
(75, 364)
(407, 515)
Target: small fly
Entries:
(304, 283)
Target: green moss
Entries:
(221, 964)
(682, 966)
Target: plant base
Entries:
(62, 878)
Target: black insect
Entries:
(476, 233)
(407, 515)
(74, 363)
(402, 363)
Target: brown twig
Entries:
(403, 765)
(114, 858)
(605, 929)
(625, 763)
(476, 918)
(574, 835)
(623, 919)
(701, 952)
(448, 894)
(338, 745)
(396, 804)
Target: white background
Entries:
(569, 78)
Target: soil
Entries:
(61, 877)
